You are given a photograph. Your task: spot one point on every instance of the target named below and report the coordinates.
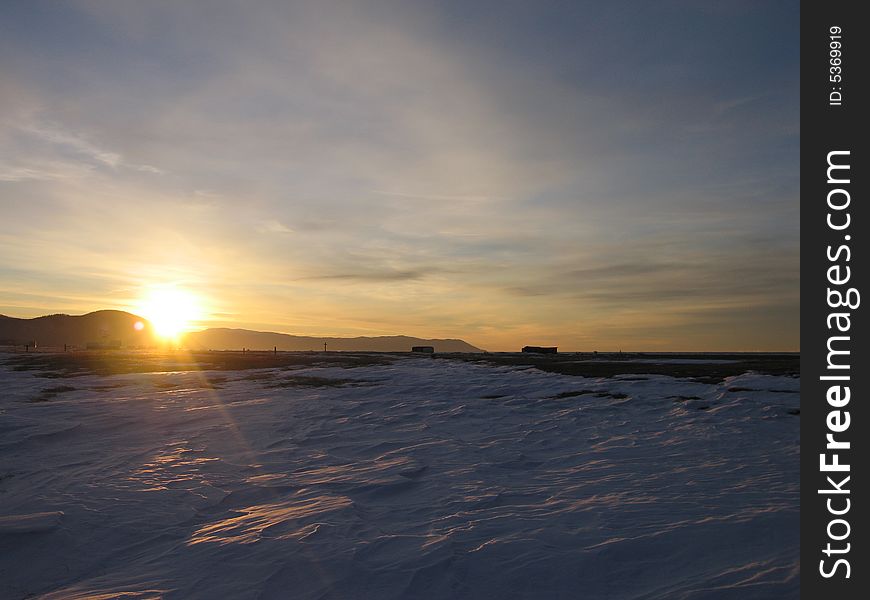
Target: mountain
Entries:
(101, 327)
(236, 339)
(109, 327)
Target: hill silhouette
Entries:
(102, 327)
(113, 326)
(236, 339)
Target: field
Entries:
(331, 475)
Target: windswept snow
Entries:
(421, 479)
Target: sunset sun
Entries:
(171, 311)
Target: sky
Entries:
(592, 175)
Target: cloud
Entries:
(40, 149)
(369, 276)
(273, 226)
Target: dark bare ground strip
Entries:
(612, 364)
(72, 364)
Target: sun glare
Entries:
(171, 311)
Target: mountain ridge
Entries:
(111, 326)
(235, 338)
(60, 329)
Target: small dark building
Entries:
(540, 349)
(424, 349)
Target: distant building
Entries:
(425, 349)
(540, 349)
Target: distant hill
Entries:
(236, 339)
(112, 326)
(102, 327)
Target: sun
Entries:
(171, 311)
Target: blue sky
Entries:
(594, 175)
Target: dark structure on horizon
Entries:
(540, 349)
(424, 349)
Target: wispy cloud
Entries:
(43, 150)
